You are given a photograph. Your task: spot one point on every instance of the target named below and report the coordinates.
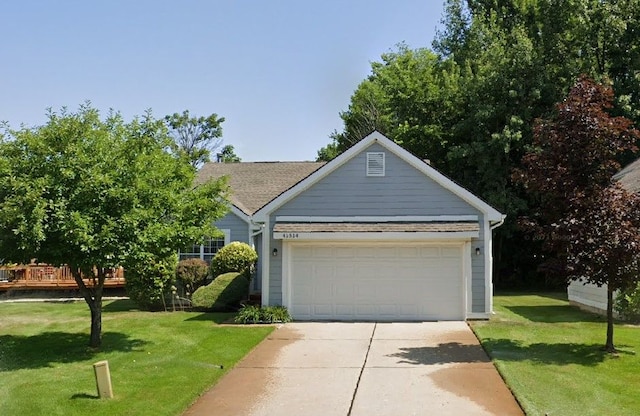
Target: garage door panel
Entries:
(408, 252)
(343, 252)
(451, 252)
(372, 282)
(300, 310)
(365, 311)
(323, 252)
(345, 310)
(323, 310)
(343, 293)
(429, 252)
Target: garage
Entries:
(383, 281)
(377, 234)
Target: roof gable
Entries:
(254, 184)
(376, 137)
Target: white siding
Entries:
(588, 295)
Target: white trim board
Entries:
(266, 257)
(488, 268)
(376, 236)
(398, 218)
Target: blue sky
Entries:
(279, 71)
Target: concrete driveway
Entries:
(358, 369)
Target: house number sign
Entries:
(290, 235)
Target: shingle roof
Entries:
(364, 227)
(629, 177)
(254, 184)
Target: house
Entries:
(375, 234)
(587, 295)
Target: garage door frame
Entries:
(466, 263)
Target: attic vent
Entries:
(375, 163)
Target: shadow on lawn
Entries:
(120, 305)
(445, 353)
(215, 317)
(554, 313)
(43, 350)
(544, 353)
(85, 396)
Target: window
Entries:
(375, 163)
(207, 249)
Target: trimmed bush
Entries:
(254, 314)
(223, 294)
(627, 304)
(192, 273)
(234, 257)
(149, 281)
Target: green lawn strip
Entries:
(160, 362)
(550, 355)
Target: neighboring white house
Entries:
(375, 234)
(589, 296)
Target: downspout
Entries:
(256, 231)
(253, 232)
(499, 223)
(491, 228)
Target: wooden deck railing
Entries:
(42, 276)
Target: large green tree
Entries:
(195, 138)
(97, 194)
(469, 104)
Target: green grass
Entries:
(159, 362)
(550, 355)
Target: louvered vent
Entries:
(375, 164)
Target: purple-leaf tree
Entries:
(586, 219)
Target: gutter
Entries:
(499, 223)
(255, 231)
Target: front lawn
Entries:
(159, 362)
(550, 355)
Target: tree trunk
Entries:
(93, 297)
(95, 339)
(609, 347)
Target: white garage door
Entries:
(367, 281)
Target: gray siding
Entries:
(275, 272)
(239, 231)
(238, 227)
(403, 190)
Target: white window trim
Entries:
(227, 240)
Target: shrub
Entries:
(253, 314)
(627, 303)
(272, 314)
(249, 314)
(223, 294)
(234, 257)
(149, 281)
(191, 273)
